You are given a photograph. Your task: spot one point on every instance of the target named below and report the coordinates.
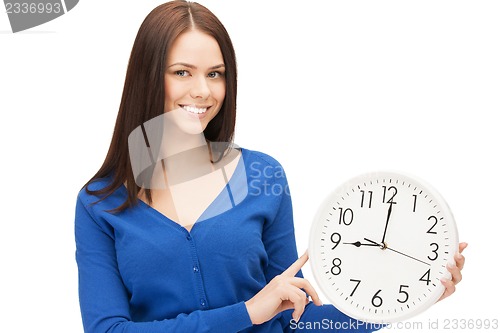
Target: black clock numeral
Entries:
(434, 251)
(426, 277)
(335, 270)
(370, 194)
(346, 216)
(356, 287)
(430, 231)
(414, 203)
(406, 295)
(335, 238)
(386, 190)
(377, 300)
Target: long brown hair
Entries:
(143, 95)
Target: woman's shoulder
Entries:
(95, 192)
(262, 166)
(259, 157)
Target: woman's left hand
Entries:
(455, 270)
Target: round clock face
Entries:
(379, 246)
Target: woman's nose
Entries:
(200, 88)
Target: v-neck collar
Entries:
(232, 183)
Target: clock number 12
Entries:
(386, 190)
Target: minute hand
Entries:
(387, 221)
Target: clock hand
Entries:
(358, 244)
(384, 246)
(423, 262)
(387, 221)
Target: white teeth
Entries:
(194, 109)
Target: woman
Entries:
(180, 231)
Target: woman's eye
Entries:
(181, 73)
(214, 75)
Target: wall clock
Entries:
(379, 245)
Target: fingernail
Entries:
(452, 264)
(460, 256)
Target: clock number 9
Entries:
(346, 216)
(337, 239)
(335, 270)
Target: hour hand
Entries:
(373, 243)
(358, 244)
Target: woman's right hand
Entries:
(282, 293)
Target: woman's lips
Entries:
(196, 111)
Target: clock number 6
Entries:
(335, 270)
(378, 299)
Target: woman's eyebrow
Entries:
(217, 66)
(193, 66)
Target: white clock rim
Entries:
(312, 251)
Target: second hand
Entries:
(383, 246)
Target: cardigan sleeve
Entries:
(104, 300)
(278, 235)
(280, 243)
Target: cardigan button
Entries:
(203, 302)
(188, 237)
(196, 269)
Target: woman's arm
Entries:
(286, 285)
(104, 300)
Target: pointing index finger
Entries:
(296, 266)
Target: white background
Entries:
(330, 89)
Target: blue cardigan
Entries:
(139, 271)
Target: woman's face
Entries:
(195, 84)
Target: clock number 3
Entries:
(434, 251)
